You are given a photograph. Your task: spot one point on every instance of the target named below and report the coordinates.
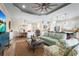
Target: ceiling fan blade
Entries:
(35, 6)
(46, 9)
(38, 9)
(41, 9)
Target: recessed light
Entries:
(23, 6)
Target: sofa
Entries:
(52, 38)
(57, 45)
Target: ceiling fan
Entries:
(44, 6)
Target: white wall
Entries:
(72, 12)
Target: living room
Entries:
(41, 29)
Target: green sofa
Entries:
(52, 38)
(57, 40)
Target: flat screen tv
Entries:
(2, 22)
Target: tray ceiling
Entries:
(39, 8)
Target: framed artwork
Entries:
(2, 22)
